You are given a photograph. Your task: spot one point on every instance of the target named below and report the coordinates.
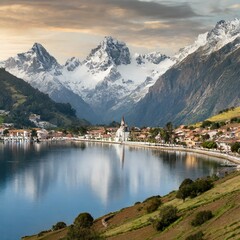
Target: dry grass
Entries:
(226, 115)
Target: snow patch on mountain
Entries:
(184, 52)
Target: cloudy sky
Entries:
(69, 28)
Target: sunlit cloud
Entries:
(235, 6)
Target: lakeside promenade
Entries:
(231, 157)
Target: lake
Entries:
(41, 184)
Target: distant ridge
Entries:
(20, 99)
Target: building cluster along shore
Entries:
(183, 138)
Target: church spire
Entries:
(123, 122)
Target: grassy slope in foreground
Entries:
(133, 222)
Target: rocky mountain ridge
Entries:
(197, 87)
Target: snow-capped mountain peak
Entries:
(223, 33)
(36, 60)
(109, 52)
(225, 29)
(41, 55)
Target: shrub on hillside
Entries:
(84, 220)
(82, 234)
(150, 198)
(196, 236)
(81, 228)
(235, 147)
(202, 185)
(152, 204)
(206, 124)
(188, 188)
(186, 191)
(201, 217)
(59, 225)
(186, 182)
(167, 216)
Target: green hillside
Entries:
(21, 100)
(223, 200)
(226, 115)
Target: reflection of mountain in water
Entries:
(108, 171)
(28, 167)
(193, 164)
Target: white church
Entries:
(122, 133)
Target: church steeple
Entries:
(122, 133)
(123, 122)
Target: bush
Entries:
(82, 234)
(188, 188)
(185, 189)
(235, 147)
(209, 144)
(81, 229)
(59, 225)
(150, 198)
(203, 185)
(153, 204)
(83, 220)
(185, 182)
(206, 124)
(43, 232)
(167, 216)
(201, 218)
(196, 236)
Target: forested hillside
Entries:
(20, 99)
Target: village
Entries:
(210, 135)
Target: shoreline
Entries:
(161, 147)
(230, 158)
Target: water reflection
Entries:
(33, 169)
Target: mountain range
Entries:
(149, 89)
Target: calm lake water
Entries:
(42, 184)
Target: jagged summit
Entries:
(109, 52)
(153, 57)
(224, 32)
(36, 60)
(41, 55)
(227, 27)
(72, 63)
(37, 47)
